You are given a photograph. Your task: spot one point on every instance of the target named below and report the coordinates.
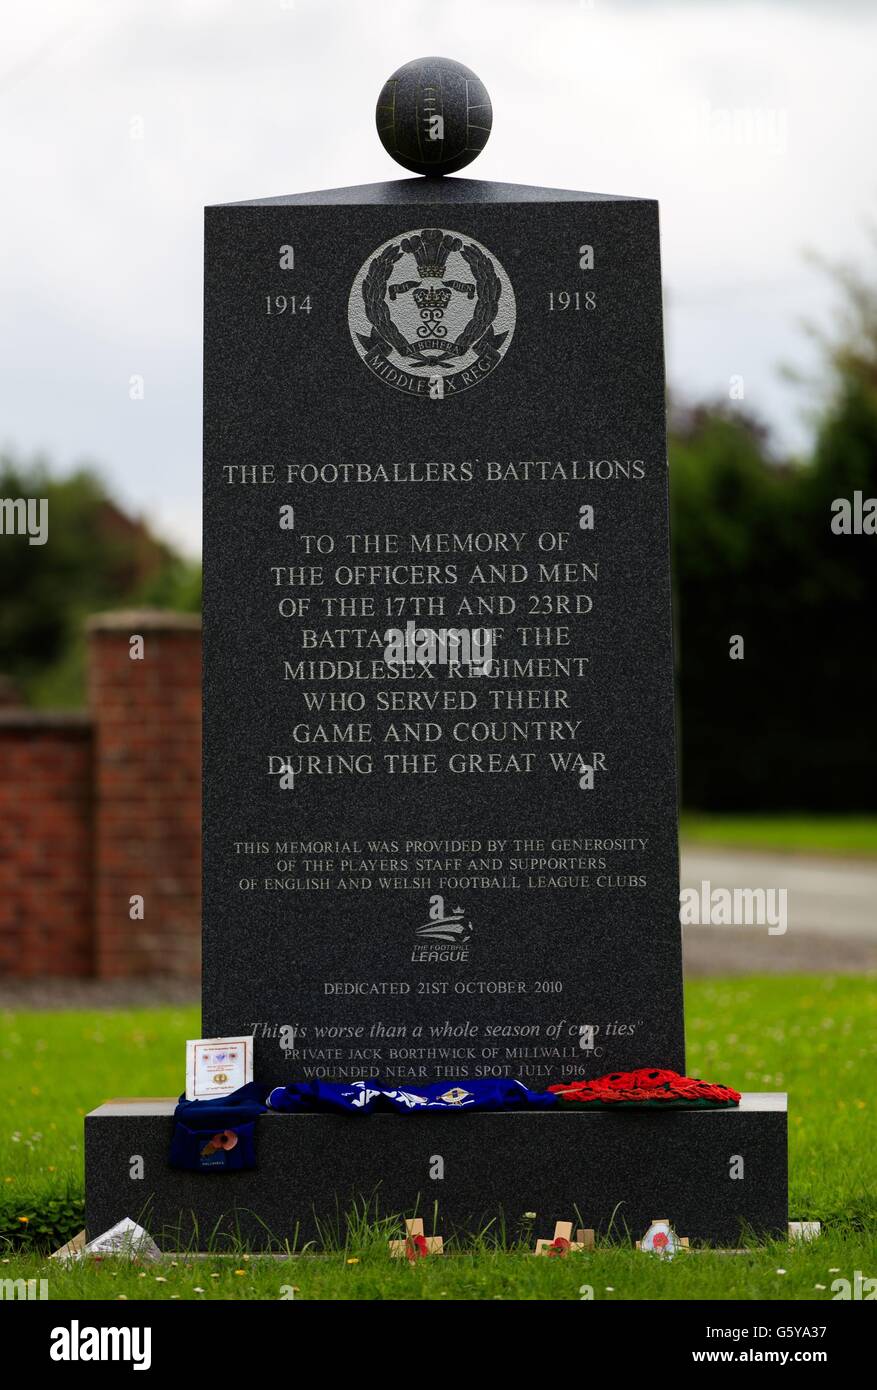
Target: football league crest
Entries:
(432, 312)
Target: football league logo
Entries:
(445, 926)
(432, 313)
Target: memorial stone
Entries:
(440, 833)
(440, 819)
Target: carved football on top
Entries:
(433, 116)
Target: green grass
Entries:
(57, 1066)
(366, 1272)
(854, 836)
(815, 1037)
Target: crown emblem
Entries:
(430, 249)
(432, 298)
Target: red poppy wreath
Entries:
(648, 1086)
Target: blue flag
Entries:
(364, 1097)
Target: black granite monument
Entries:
(440, 827)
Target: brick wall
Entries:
(98, 809)
(46, 870)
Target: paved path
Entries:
(831, 906)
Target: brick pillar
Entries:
(147, 735)
(46, 878)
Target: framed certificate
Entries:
(217, 1066)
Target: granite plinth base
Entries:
(716, 1174)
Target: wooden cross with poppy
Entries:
(562, 1242)
(416, 1246)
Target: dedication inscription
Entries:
(439, 784)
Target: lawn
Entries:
(845, 836)
(815, 1037)
(364, 1271)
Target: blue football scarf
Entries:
(218, 1135)
(366, 1097)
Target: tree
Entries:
(96, 557)
(789, 726)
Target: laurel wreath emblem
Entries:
(488, 291)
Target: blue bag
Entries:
(218, 1135)
(208, 1150)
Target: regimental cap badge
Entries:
(432, 312)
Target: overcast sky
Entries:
(753, 124)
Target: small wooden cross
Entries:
(416, 1245)
(563, 1243)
